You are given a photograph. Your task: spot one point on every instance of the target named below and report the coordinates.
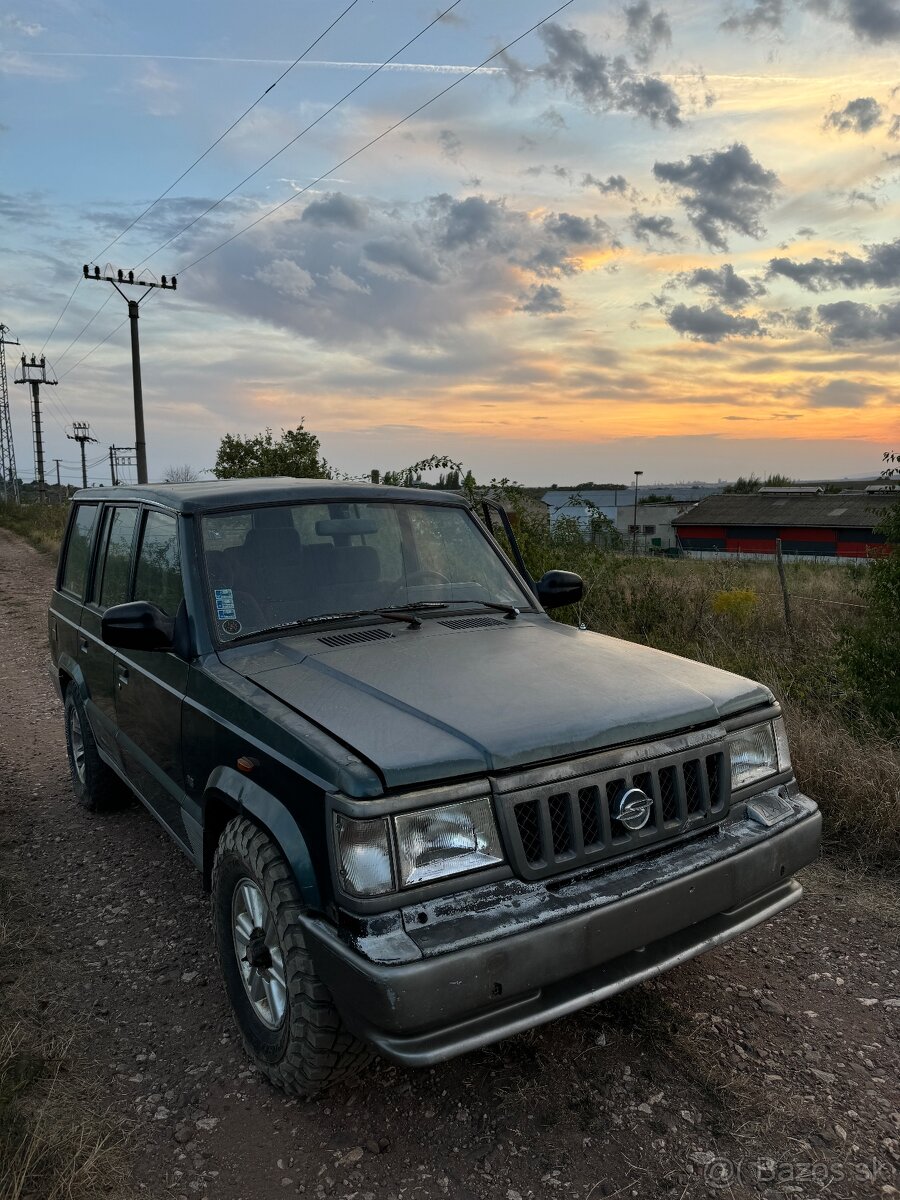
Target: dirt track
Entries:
(784, 1046)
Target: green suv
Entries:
(430, 816)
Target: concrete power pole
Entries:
(10, 480)
(127, 279)
(81, 433)
(35, 374)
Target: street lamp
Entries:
(634, 525)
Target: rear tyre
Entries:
(286, 1016)
(96, 786)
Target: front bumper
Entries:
(622, 926)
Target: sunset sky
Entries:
(656, 236)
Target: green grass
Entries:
(40, 524)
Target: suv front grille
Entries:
(559, 827)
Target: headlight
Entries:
(364, 856)
(437, 842)
(757, 752)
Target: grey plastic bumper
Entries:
(426, 1011)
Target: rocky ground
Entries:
(768, 1067)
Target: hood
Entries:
(450, 699)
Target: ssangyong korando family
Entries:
(429, 814)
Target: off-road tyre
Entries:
(96, 786)
(311, 1049)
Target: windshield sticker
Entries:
(231, 626)
(224, 604)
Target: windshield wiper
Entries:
(425, 605)
(388, 614)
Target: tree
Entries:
(181, 474)
(295, 453)
(742, 486)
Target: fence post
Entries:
(784, 591)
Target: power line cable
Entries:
(226, 132)
(303, 132)
(62, 314)
(198, 160)
(379, 137)
(102, 341)
(372, 141)
(84, 329)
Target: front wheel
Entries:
(286, 1016)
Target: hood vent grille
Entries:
(355, 635)
(471, 622)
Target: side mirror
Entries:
(556, 588)
(137, 626)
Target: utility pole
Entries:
(35, 374)
(120, 456)
(57, 461)
(127, 279)
(81, 433)
(634, 524)
(10, 481)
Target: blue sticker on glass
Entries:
(224, 604)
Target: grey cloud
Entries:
(600, 83)
(722, 190)
(858, 116)
(646, 30)
(450, 144)
(336, 208)
(870, 20)
(764, 16)
(403, 258)
(879, 268)
(722, 284)
(580, 231)
(711, 324)
(417, 274)
(646, 227)
(847, 321)
(894, 127)
(841, 393)
(543, 299)
(617, 184)
(27, 206)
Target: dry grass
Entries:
(57, 1142)
(855, 781)
(40, 524)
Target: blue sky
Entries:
(654, 235)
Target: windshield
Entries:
(276, 566)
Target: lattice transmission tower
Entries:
(9, 479)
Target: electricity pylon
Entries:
(10, 477)
(35, 374)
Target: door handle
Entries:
(122, 675)
(83, 645)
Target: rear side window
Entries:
(116, 565)
(158, 577)
(78, 550)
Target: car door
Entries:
(150, 684)
(64, 622)
(110, 584)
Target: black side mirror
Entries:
(137, 626)
(556, 588)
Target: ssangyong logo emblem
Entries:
(633, 809)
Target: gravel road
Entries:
(768, 1067)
